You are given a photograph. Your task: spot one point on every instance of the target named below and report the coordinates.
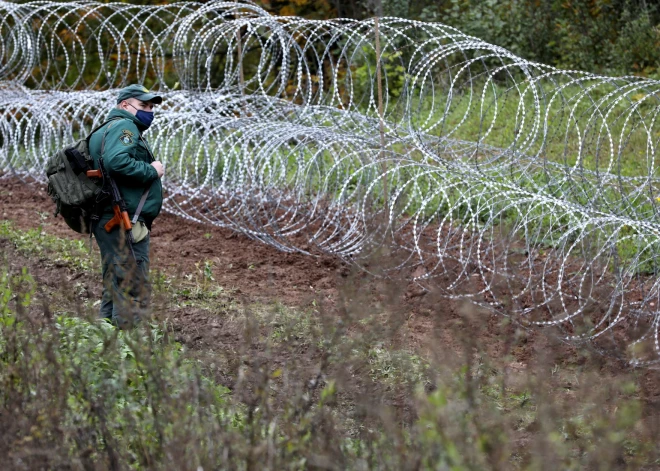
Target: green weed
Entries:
(74, 254)
(309, 388)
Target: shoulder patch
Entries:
(126, 137)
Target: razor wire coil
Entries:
(525, 188)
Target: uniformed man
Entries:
(130, 163)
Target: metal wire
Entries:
(519, 186)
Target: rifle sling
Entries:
(141, 205)
(145, 194)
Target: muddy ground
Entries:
(257, 273)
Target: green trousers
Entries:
(126, 287)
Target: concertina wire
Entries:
(407, 148)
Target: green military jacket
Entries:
(128, 161)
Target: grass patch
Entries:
(93, 394)
(35, 243)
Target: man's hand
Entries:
(159, 168)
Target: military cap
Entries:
(139, 92)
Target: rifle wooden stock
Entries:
(120, 219)
(94, 173)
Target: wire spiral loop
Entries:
(525, 188)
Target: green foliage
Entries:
(55, 250)
(104, 395)
(312, 9)
(310, 390)
(393, 72)
(636, 48)
(600, 36)
(399, 8)
(396, 367)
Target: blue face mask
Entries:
(145, 117)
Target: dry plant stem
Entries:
(335, 389)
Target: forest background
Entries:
(608, 37)
(612, 37)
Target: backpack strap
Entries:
(89, 136)
(78, 162)
(144, 141)
(95, 215)
(104, 134)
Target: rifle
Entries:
(120, 218)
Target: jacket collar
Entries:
(117, 113)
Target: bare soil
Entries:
(255, 272)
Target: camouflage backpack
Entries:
(75, 194)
